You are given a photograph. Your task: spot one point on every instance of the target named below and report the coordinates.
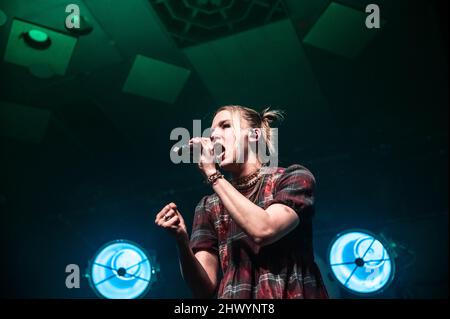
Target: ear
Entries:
(254, 134)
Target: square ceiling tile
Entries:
(57, 56)
(341, 30)
(156, 79)
(262, 66)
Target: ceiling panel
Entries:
(341, 30)
(135, 29)
(155, 79)
(266, 65)
(57, 56)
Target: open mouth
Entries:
(219, 152)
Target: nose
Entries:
(214, 137)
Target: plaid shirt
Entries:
(284, 269)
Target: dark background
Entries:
(372, 127)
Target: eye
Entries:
(226, 125)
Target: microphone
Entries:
(218, 149)
(180, 149)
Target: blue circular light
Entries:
(121, 270)
(361, 262)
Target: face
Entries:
(223, 133)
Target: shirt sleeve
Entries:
(295, 189)
(203, 236)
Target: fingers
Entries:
(165, 217)
(207, 146)
(181, 219)
(173, 222)
(171, 213)
(206, 143)
(198, 140)
(170, 220)
(207, 149)
(169, 217)
(166, 209)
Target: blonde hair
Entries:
(255, 119)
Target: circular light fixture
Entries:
(121, 269)
(361, 262)
(37, 39)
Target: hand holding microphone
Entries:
(207, 159)
(207, 152)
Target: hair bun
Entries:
(268, 116)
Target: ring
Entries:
(166, 218)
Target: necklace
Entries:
(247, 181)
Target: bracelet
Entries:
(214, 177)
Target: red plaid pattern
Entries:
(284, 269)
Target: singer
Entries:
(256, 227)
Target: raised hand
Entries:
(170, 219)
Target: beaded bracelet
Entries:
(214, 177)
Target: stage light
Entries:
(361, 262)
(30, 44)
(122, 269)
(37, 39)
